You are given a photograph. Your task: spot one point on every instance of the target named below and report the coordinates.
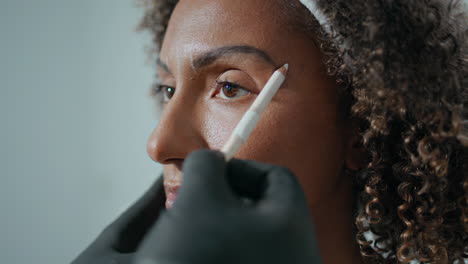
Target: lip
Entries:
(171, 194)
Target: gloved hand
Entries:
(241, 212)
(118, 242)
(237, 212)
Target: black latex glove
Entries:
(118, 242)
(241, 212)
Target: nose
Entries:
(177, 133)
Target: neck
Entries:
(333, 221)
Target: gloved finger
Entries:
(247, 178)
(203, 192)
(283, 191)
(125, 233)
(204, 178)
(169, 240)
(100, 258)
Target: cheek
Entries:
(309, 143)
(219, 120)
(304, 138)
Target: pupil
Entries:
(169, 92)
(229, 90)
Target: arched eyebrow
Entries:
(211, 56)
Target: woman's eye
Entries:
(166, 91)
(228, 90)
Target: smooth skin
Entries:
(302, 128)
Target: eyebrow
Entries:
(211, 56)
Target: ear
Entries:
(356, 157)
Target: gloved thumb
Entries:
(204, 179)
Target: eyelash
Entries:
(158, 89)
(221, 84)
(155, 90)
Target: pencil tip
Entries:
(284, 69)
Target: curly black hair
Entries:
(401, 66)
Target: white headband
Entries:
(317, 13)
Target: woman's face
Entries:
(215, 59)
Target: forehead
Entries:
(196, 26)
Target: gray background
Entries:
(75, 117)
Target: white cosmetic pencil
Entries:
(249, 120)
